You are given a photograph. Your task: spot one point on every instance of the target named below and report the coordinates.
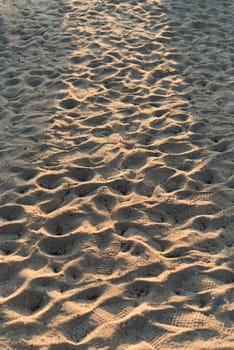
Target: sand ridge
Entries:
(116, 200)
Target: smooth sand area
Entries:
(116, 180)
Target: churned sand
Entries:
(117, 187)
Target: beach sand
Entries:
(117, 187)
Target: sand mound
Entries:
(116, 200)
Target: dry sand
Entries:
(116, 198)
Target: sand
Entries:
(116, 201)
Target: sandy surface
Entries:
(116, 201)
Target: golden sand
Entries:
(116, 201)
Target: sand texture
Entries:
(117, 185)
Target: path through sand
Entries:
(116, 201)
